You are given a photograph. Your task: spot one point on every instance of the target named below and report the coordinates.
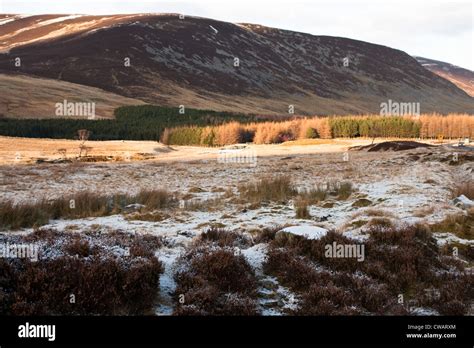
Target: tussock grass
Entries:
(320, 192)
(316, 194)
(210, 204)
(15, 216)
(80, 205)
(302, 210)
(382, 222)
(462, 225)
(147, 216)
(277, 188)
(362, 202)
(342, 190)
(464, 188)
(375, 212)
(153, 199)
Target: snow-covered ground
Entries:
(392, 186)
(399, 189)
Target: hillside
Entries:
(30, 97)
(463, 78)
(191, 61)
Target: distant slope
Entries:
(29, 97)
(18, 30)
(191, 61)
(463, 78)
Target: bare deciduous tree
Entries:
(83, 136)
(375, 131)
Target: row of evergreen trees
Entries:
(144, 122)
(211, 128)
(396, 127)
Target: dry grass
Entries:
(316, 194)
(147, 216)
(307, 142)
(210, 204)
(276, 188)
(375, 212)
(463, 188)
(342, 190)
(15, 216)
(362, 202)
(43, 94)
(462, 225)
(31, 149)
(80, 205)
(382, 222)
(154, 199)
(424, 211)
(302, 210)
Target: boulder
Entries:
(308, 232)
(463, 202)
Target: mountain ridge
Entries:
(177, 61)
(461, 77)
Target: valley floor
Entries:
(389, 188)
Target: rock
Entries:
(324, 218)
(328, 205)
(463, 202)
(362, 202)
(309, 232)
(133, 207)
(188, 234)
(271, 304)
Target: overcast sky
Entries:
(437, 29)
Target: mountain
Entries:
(463, 78)
(24, 96)
(192, 61)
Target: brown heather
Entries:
(403, 261)
(215, 281)
(102, 282)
